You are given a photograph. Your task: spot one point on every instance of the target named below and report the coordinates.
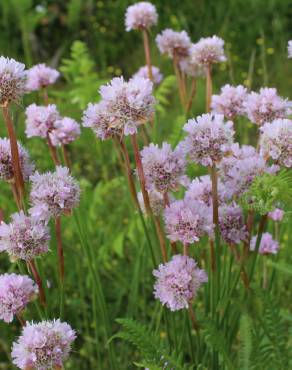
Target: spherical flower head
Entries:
(40, 76)
(53, 193)
(266, 106)
(208, 138)
(40, 120)
(231, 224)
(12, 80)
(140, 16)
(164, 168)
(157, 76)
(24, 238)
(289, 49)
(174, 44)
(65, 131)
(209, 50)
(124, 107)
(267, 245)
(16, 291)
(187, 221)
(6, 166)
(43, 345)
(200, 189)
(230, 102)
(190, 66)
(276, 141)
(178, 281)
(156, 201)
(276, 215)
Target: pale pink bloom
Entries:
(231, 224)
(267, 245)
(40, 120)
(190, 65)
(276, 215)
(174, 44)
(156, 201)
(40, 76)
(289, 49)
(209, 50)
(156, 75)
(65, 131)
(141, 15)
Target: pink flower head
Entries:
(230, 102)
(16, 291)
(276, 215)
(178, 281)
(124, 107)
(164, 168)
(200, 189)
(209, 50)
(266, 106)
(53, 193)
(208, 138)
(40, 76)
(6, 166)
(289, 49)
(187, 221)
(143, 72)
(189, 65)
(276, 141)
(40, 120)
(156, 201)
(267, 245)
(12, 80)
(175, 44)
(65, 131)
(43, 345)
(24, 238)
(142, 15)
(231, 224)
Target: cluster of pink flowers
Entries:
(24, 238)
(187, 221)
(40, 120)
(267, 245)
(276, 141)
(16, 291)
(12, 80)
(156, 201)
(189, 65)
(157, 76)
(266, 106)
(208, 138)
(142, 15)
(230, 102)
(174, 44)
(276, 215)
(124, 107)
(231, 224)
(6, 166)
(43, 345)
(178, 281)
(53, 193)
(164, 168)
(40, 76)
(209, 50)
(65, 131)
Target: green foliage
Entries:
(245, 342)
(268, 191)
(163, 92)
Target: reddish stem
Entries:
(60, 247)
(53, 151)
(147, 53)
(20, 319)
(192, 95)
(214, 180)
(38, 280)
(161, 238)
(66, 157)
(208, 88)
(166, 204)
(1, 215)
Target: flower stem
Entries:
(192, 95)
(20, 319)
(38, 280)
(214, 179)
(161, 238)
(186, 249)
(208, 88)
(66, 157)
(53, 151)
(147, 53)
(166, 204)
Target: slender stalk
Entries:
(179, 80)
(60, 247)
(161, 238)
(193, 318)
(208, 88)
(147, 53)
(141, 173)
(14, 153)
(16, 195)
(192, 95)
(66, 157)
(214, 179)
(1, 215)
(38, 280)
(20, 319)
(53, 151)
(46, 97)
(186, 249)
(249, 225)
(166, 204)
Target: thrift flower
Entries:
(189, 65)
(141, 15)
(267, 244)
(231, 224)
(24, 238)
(230, 102)
(40, 120)
(40, 76)
(178, 281)
(157, 76)
(16, 291)
(276, 215)
(276, 141)
(208, 138)
(187, 221)
(6, 166)
(65, 131)
(43, 345)
(53, 193)
(266, 106)
(174, 44)
(156, 201)
(164, 168)
(209, 50)
(12, 80)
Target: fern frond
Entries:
(163, 92)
